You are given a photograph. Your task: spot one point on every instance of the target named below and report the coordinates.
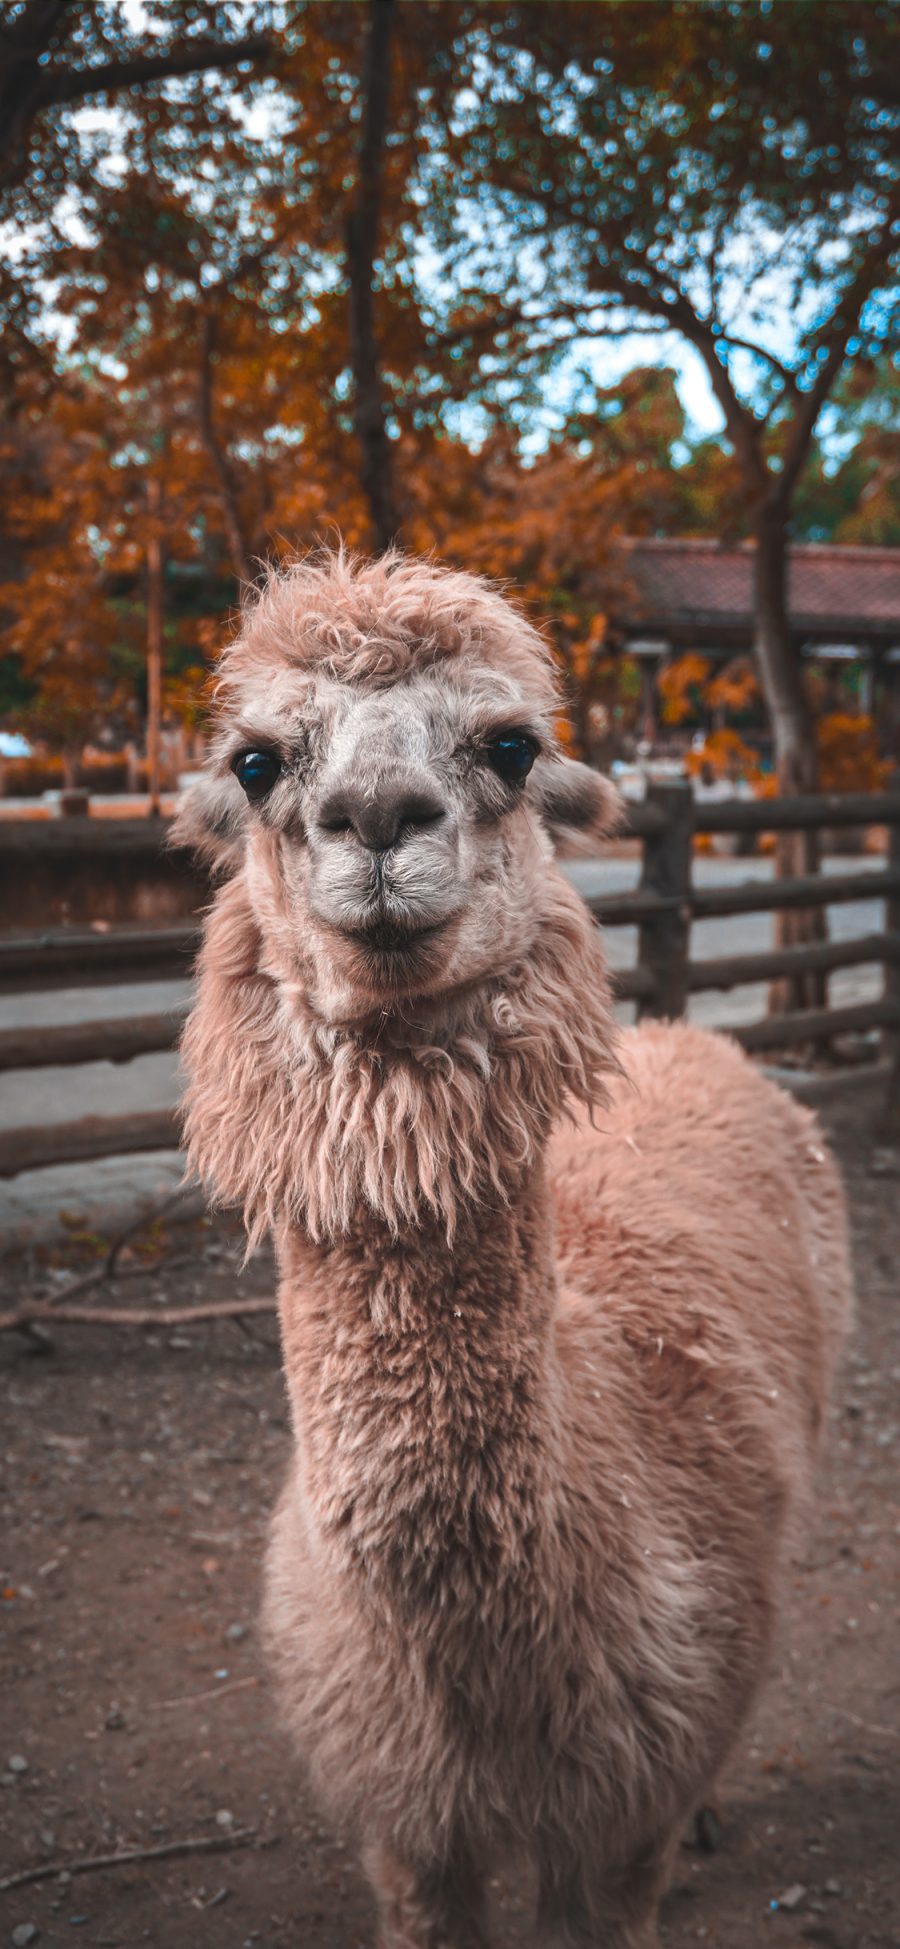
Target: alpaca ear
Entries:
(578, 807)
(210, 819)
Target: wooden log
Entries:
(628, 909)
(734, 970)
(642, 819)
(632, 984)
(71, 1143)
(815, 1024)
(77, 1042)
(797, 814)
(666, 876)
(66, 955)
(807, 890)
(100, 838)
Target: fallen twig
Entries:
(100, 1275)
(865, 1725)
(43, 1313)
(198, 1844)
(214, 1692)
(175, 1197)
(168, 1264)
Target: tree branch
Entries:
(843, 323)
(166, 1851)
(788, 378)
(45, 1313)
(27, 88)
(743, 428)
(218, 459)
(583, 319)
(55, 89)
(362, 229)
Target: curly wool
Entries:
(296, 1120)
(378, 623)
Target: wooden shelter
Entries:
(698, 595)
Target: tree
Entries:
(272, 313)
(71, 633)
(57, 54)
(649, 168)
(363, 224)
(856, 498)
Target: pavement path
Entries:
(112, 1190)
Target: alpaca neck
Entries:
(424, 1392)
(419, 1284)
(408, 1124)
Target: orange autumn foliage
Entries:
(678, 684)
(734, 688)
(725, 755)
(848, 754)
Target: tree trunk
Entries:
(793, 731)
(155, 628)
(363, 224)
(580, 720)
(218, 458)
(71, 766)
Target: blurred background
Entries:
(599, 299)
(596, 298)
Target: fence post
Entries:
(890, 1036)
(664, 939)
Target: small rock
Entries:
(115, 1719)
(224, 1818)
(833, 1887)
(709, 1830)
(25, 1933)
(793, 1897)
(47, 1839)
(18, 1763)
(236, 1633)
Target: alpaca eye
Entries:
(256, 772)
(511, 756)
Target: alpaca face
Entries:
(396, 850)
(394, 822)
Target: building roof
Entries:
(704, 590)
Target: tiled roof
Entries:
(704, 583)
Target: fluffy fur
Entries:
(557, 1322)
(316, 1123)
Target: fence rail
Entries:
(662, 908)
(63, 956)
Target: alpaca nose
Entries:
(382, 819)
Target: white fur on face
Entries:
(458, 890)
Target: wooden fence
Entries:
(662, 908)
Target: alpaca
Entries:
(558, 1306)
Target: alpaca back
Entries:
(708, 1200)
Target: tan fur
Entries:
(557, 1322)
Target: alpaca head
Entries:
(386, 777)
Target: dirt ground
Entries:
(140, 1467)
